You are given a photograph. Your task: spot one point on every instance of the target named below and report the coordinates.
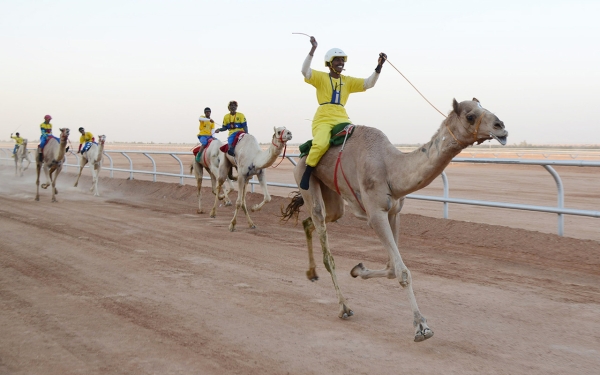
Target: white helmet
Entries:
(333, 53)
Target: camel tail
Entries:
(293, 209)
(191, 168)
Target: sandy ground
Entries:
(134, 282)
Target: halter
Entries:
(475, 132)
(284, 146)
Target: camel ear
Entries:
(455, 106)
(274, 129)
(475, 100)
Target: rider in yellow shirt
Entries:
(234, 122)
(85, 138)
(46, 129)
(333, 90)
(18, 142)
(206, 128)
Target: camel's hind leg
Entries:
(314, 198)
(309, 228)
(54, 190)
(263, 185)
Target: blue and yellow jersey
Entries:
(87, 137)
(235, 123)
(17, 139)
(206, 127)
(326, 85)
(46, 128)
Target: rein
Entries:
(338, 162)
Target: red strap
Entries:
(338, 162)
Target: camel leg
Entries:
(241, 203)
(222, 176)
(95, 173)
(47, 173)
(82, 163)
(314, 199)
(381, 224)
(263, 184)
(309, 227)
(54, 190)
(199, 172)
(38, 167)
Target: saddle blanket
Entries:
(238, 137)
(87, 146)
(338, 134)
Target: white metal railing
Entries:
(559, 209)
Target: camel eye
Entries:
(470, 117)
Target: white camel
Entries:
(374, 177)
(210, 159)
(20, 156)
(94, 156)
(251, 160)
(53, 158)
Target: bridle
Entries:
(280, 138)
(475, 132)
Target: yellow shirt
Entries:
(87, 137)
(17, 139)
(206, 127)
(46, 128)
(325, 85)
(237, 122)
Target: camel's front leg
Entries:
(54, 190)
(263, 185)
(38, 168)
(95, 174)
(48, 180)
(82, 164)
(241, 203)
(199, 171)
(213, 212)
(381, 224)
(311, 274)
(227, 188)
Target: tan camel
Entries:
(94, 156)
(373, 177)
(210, 159)
(251, 160)
(20, 156)
(54, 155)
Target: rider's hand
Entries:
(382, 58)
(313, 41)
(217, 130)
(211, 120)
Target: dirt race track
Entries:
(134, 282)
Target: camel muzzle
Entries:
(501, 140)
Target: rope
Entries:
(415, 88)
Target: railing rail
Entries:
(559, 209)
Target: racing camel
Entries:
(54, 155)
(94, 156)
(251, 160)
(374, 177)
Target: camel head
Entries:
(64, 134)
(476, 124)
(101, 139)
(282, 135)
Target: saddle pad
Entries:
(338, 133)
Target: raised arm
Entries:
(370, 82)
(306, 71)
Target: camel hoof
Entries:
(252, 226)
(232, 228)
(312, 275)
(347, 314)
(227, 204)
(355, 272)
(423, 335)
(75, 185)
(37, 199)
(199, 211)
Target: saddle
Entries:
(236, 139)
(87, 146)
(338, 134)
(196, 150)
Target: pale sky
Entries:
(143, 71)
